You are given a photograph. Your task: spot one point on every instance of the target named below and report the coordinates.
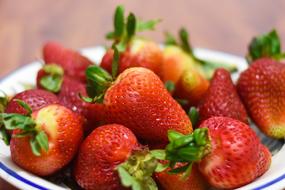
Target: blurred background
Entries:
(221, 25)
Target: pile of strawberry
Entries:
(124, 124)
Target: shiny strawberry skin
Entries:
(191, 86)
(65, 134)
(264, 160)
(262, 89)
(221, 99)
(71, 61)
(35, 98)
(104, 149)
(139, 53)
(175, 182)
(234, 154)
(139, 101)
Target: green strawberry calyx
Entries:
(3, 104)
(27, 127)
(265, 45)
(208, 66)
(187, 149)
(170, 86)
(193, 115)
(52, 81)
(98, 81)
(136, 172)
(125, 28)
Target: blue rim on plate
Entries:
(20, 178)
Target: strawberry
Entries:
(138, 53)
(179, 56)
(71, 61)
(44, 141)
(227, 152)
(138, 100)
(264, 160)
(111, 154)
(261, 86)
(175, 181)
(261, 89)
(134, 52)
(191, 87)
(35, 98)
(221, 99)
(68, 92)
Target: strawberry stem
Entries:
(170, 86)
(187, 148)
(193, 115)
(125, 28)
(98, 81)
(115, 62)
(27, 127)
(52, 81)
(265, 45)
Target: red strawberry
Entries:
(49, 139)
(222, 99)
(175, 181)
(230, 158)
(139, 53)
(234, 156)
(264, 161)
(105, 153)
(133, 51)
(35, 98)
(138, 100)
(261, 88)
(68, 92)
(71, 61)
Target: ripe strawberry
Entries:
(222, 99)
(71, 61)
(35, 98)
(68, 91)
(138, 53)
(227, 152)
(264, 160)
(261, 85)
(44, 141)
(175, 181)
(133, 51)
(138, 100)
(261, 89)
(233, 159)
(111, 150)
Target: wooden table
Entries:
(221, 25)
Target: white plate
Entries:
(274, 178)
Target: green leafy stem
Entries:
(26, 126)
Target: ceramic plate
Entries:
(274, 178)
